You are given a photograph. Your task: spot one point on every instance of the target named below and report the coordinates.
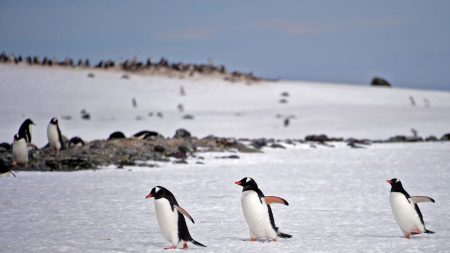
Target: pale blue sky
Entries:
(347, 41)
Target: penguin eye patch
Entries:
(156, 189)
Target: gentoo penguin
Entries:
(76, 142)
(54, 135)
(20, 151)
(170, 218)
(25, 130)
(145, 134)
(257, 211)
(406, 211)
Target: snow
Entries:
(339, 201)
(339, 198)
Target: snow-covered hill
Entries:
(220, 108)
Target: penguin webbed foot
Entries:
(171, 247)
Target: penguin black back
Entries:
(25, 130)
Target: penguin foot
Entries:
(408, 236)
(185, 245)
(253, 239)
(171, 247)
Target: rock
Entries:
(445, 137)
(6, 146)
(378, 81)
(180, 162)
(116, 135)
(125, 76)
(159, 149)
(188, 116)
(431, 138)
(276, 145)
(317, 138)
(283, 101)
(182, 133)
(285, 94)
(91, 75)
(259, 143)
(228, 157)
(403, 138)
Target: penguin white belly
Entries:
(167, 220)
(257, 216)
(53, 137)
(405, 214)
(20, 151)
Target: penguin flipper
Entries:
(272, 199)
(181, 210)
(418, 199)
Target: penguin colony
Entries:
(256, 206)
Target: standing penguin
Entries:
(170, 218)
(257, 211)
(406, 211)
(25, 130)
(20, 151)
(54, 135)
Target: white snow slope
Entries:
(339, 198)
(219, 107)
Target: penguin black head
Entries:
(54, 121)
(396, 185)
(17, 137)
(158, 192)
(247, 183)
(28, 122)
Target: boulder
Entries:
(378, 81)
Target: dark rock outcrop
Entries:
(378, 81)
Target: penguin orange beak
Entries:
(149, 196)
(389, 181)
(238, 182)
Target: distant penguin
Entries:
(54, 135)
(170, 217)
(20, 151)
(116, 135)
(406, 211)
(257, 211)
(145, 134)
(25, 130)
(76, 142)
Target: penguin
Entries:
(258, 213)
(25, 130)
(170, 218)
(116, 135)
(145, 134)
(20, 151)
(406, 211)
(76, 142)
(54, 135)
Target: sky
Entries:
(406, 42)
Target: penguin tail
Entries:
(197, 243)
(429, 231)
(284, 235)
